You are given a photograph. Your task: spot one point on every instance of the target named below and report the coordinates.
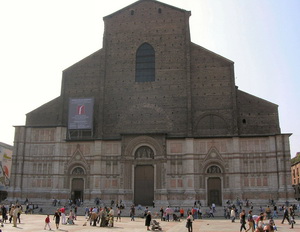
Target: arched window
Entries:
(145, 63)
(214, 169)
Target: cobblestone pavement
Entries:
(33, 223)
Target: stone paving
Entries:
(34, 223)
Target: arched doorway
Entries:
(214, 186)
(77, 184)
(144, 185)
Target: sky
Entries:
(41, 38)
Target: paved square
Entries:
(32, 223)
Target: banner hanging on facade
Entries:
(81, 112)
(5, 166)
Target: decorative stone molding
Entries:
(214, 158)
(137, 142)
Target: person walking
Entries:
(132, 212)
(118, 214)
(63, 215)
(161, 213)
(11, 213)
(111, 214)
(250, 221)
(4, 212)
(189, 222)
(285, 215)
(47, 222)
(15, 215)
(168, 212)
(19, 213)
(71, 218)
(57, 218)
(260, 224)
(75, 212)
(103, 217)
(292, 216)
(268, 212)
(93, 219)
(232, 214)
(243, 220)
(148, 220)
(213, 206)
(275, 213)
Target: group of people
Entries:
(14, 213)
(103, 216)
(61, 216)
(70, 202)
(257, 223)
(263, 222)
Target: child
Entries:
(111, 221)
(47, 222)
(119, 214)
(71, 218)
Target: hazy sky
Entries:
(41, 38)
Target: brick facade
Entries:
(190, 120)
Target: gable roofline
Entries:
(140, 1)
(213, 53)
(76, 63)
(7, 146)
(261, 99)
(45, 105)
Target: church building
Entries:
(152, 117)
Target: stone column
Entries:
(188, 169)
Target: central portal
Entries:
(144, 185)
(77, 189)
(214, 191)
